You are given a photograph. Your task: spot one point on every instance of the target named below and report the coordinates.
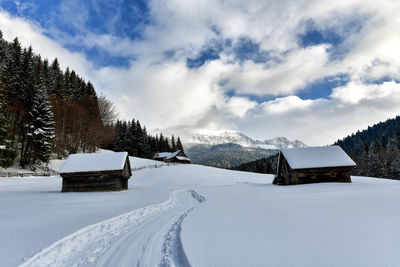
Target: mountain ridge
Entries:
(236, 137)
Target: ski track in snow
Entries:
(149, 236)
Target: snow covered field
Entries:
(193, 215)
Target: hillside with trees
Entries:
(376, 150)
(354, 143)
(45, 111)
(264, 165)
(130, 136)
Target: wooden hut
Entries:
(313, 165)
(96, 172)
(177, 156)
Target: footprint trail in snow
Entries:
(149, 236)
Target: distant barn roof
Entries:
(317, 157)
(182, 158)
(94, 162)
(166, 155)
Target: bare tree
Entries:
(108, 111)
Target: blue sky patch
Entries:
(314, 36)
(334, 35)
(242, 49)
(381, 80)
(318, 89)
(204, 56)
(247, 49)
(323, 88)
(208, 53)
(257, 98)
(123, 19)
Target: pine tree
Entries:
(7, 151)
(156, 144)
(146, 151)
(376, 160)
(131, 144)
(179, 145)
(393, 158)
(161, 145)
(56, 80)
(11, 78)
(27, 84)
(67, 82)
(40, 131)
(43, 125)
(139, 139)
(89, 89)
(122, 138)
(3, 52)
(153, 146)
(173, 144)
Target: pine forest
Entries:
(47, 112)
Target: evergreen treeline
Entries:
(130, 136)
(44, 109)
(264, 165)
(381, 158)
(376, 150)
(355, 143)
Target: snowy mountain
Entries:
(227, 136)
(226, 155)
(227, 148)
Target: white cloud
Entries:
(285, 104)
(355, 92)
(237, 106)
(29, 33)
(323, 121)
(299, 68)
(163, 92)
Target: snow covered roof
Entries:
(173, 154)
(317, 157)
(94, 162)
(182, 158)
(162, 155)
(166, 155)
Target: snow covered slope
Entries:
(235, 137)
(189, 215)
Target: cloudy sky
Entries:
(311, 70)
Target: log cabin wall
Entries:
(96, 181)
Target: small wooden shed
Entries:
(93, 172)
(313, 165)
(177, 156)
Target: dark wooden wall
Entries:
(96, 181)
(94, 184)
